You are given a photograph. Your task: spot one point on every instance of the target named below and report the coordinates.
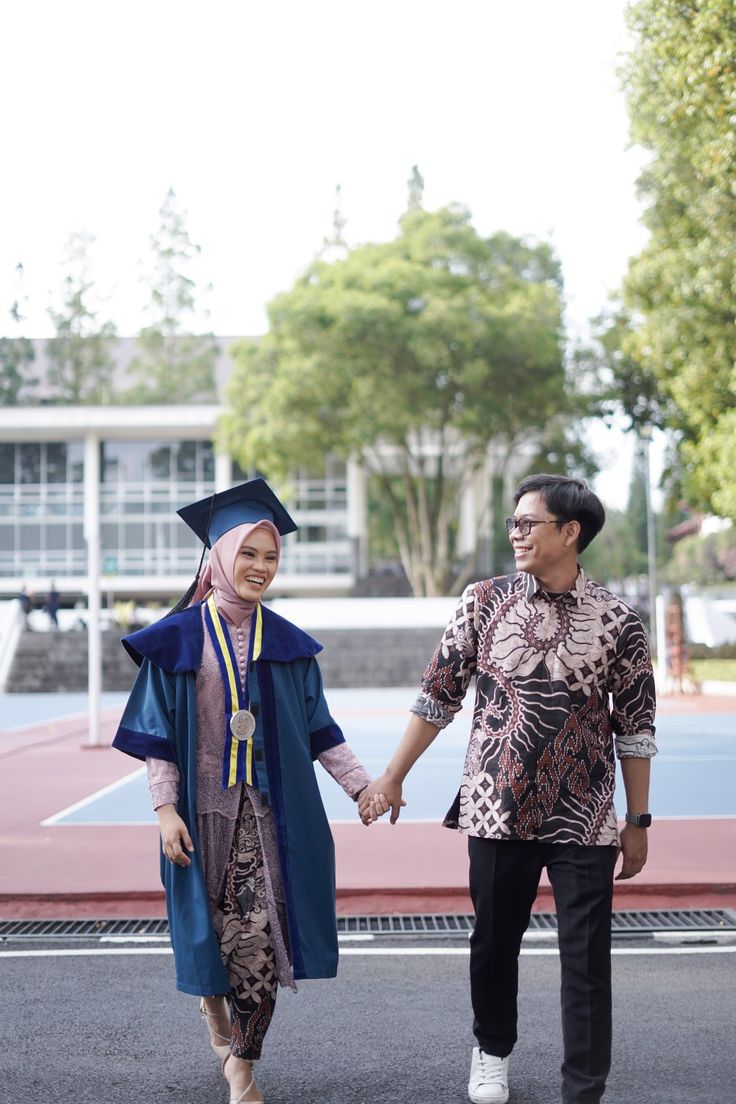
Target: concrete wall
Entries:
(51, 662)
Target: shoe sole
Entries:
(485, 1100)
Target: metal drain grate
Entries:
(637, 923)
(81, 929)
(448, 924)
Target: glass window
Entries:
(207, 456)
(75, 461)
(159, 533)
(56, 462)
(7, 463)
(55, 537)
(186, 461)
(7, 538)
(30, 463)
(109, 535)
(109, 464)
(30, 538)
(159, 462)
(134, 535)
(185, 538)
(77, 535)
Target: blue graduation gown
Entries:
(293, 726)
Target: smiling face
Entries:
(549, 551)
(255, 565)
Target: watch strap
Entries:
(641, 820)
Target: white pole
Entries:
(661, 670)
(223, 471)
(357, 519)
(651, 551)
(92, 537)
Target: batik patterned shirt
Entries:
(564, 683)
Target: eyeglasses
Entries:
(524, 524)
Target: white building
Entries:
(150, 460)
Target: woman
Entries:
(229, 713)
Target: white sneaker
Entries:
(489, 1078)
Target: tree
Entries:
(80, 355)
(16, 356)
(172, 363)
(681, 289)
(411, 356)
(626, 382)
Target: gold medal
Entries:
(242, 724)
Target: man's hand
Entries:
(380, 796)
(174, 836)
(634, 846)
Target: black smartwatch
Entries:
(641, 820)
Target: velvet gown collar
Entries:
(175, 643)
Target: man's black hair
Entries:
(568, 500)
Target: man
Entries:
(564, 683)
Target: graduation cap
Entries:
(253, 501)
(245, 504)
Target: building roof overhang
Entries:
(52, 423)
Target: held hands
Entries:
(376, 799)
(634, 851)
(174, 836)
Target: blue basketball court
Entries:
(694, 774)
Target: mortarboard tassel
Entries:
(189, 592)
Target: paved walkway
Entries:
(111, 869)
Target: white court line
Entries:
(57, 718)
(53, 820)
(389, 952)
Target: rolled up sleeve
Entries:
(450, 670)
(633, 694)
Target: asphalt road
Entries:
(391, 1029)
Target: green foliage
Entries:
(682, 288)
(173, 365)
(625, 379)
(16, 356)
(433, 345)
(80, 355)
(703, 561)
(612, 556)
(715, 670)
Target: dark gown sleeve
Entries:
(147, 725)
(324, 733)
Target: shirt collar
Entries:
(576, 592)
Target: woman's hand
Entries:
(380, 796)
(174, 836)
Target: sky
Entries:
(255, 112)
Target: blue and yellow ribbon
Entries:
(237, 760)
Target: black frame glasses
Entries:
(525, 524)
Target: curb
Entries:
(358, 902)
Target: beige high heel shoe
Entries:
(246, 1090)
(222, 1050)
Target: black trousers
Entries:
(504, 876)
